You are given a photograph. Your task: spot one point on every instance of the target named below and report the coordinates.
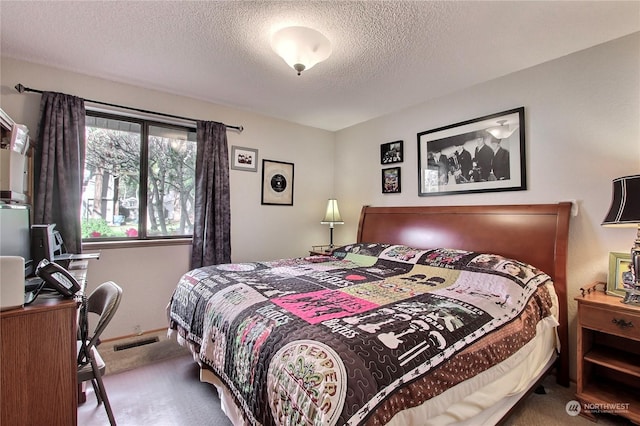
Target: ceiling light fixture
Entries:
(502, 131)
(301, 47)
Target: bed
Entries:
(435, 315)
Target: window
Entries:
(139, 179)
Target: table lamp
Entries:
(331, 218)
(625, 212)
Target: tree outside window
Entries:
(138, 180)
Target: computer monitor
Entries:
(15, 233)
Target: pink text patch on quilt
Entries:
(317, 306)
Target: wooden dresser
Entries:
(608, 352)
(38, 365)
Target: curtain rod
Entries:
(20, 88)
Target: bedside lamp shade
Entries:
(625, 202)
(332, 217)
(625, 212)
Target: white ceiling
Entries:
(387, 55)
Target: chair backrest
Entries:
(104, 302)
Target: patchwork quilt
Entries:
(355, 337)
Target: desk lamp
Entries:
(331, 218)
(625, 212)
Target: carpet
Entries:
(548, 409)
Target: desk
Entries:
(38, 366)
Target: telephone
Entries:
(57, 277)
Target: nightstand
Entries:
(321, 251)
(608, 355)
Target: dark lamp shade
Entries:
(625, 202)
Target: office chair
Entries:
(104, 302)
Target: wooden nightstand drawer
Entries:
(624, 324)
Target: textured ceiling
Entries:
(387, 55)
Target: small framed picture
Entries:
(620, 274)
(244, 159)
(391, 180)
(391, 153)
(277, 183)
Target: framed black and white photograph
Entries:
(244, 159)
(486, 154)
(277, 183)
(391, 180)
(391, 152)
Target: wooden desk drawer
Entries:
(624, 324)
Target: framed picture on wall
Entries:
(486, 154)
(244, 159)
(391, 180)
(277, 183)
(391, 152)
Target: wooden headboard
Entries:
(537, 234)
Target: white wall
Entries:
(148, 275)
(582, 130)
(582, 125)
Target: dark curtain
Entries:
(59, 165)
(212, 216)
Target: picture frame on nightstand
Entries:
(620, 274)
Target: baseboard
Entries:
(129, 352)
